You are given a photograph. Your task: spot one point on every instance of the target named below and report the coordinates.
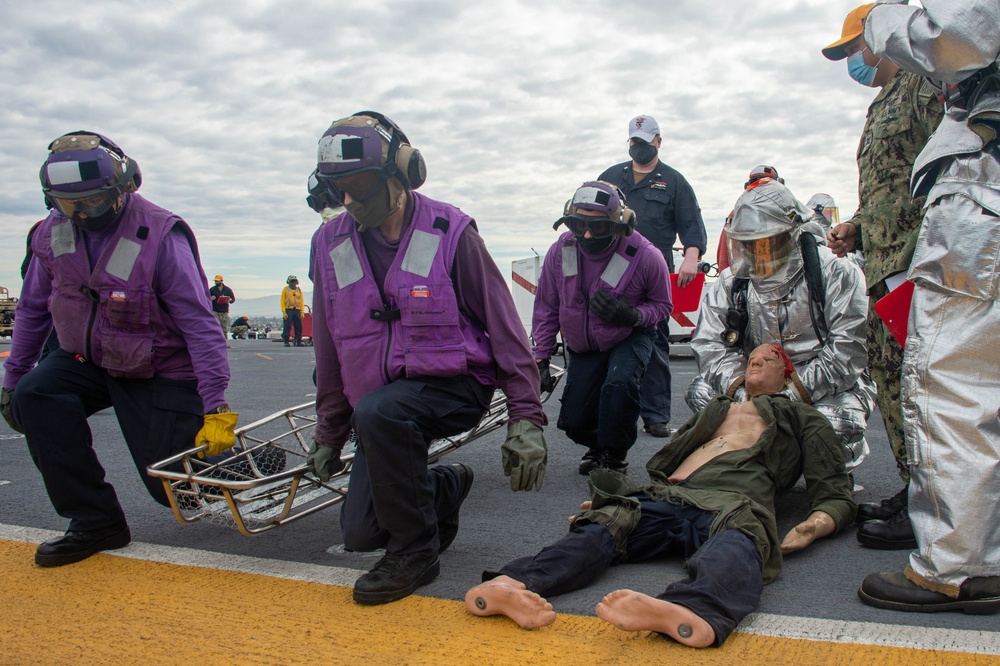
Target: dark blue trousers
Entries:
(600, 399)
(292, 326)
(655, 393)
(393, 499)
(724, 581)
(158, 417)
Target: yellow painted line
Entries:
(263, 356)
(119, 610)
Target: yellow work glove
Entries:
(218, 434)
(284, 316)
(525, 455)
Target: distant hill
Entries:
(263, 306)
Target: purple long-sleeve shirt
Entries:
(482, 294)
(648, 292)
(178, 285)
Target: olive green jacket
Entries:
(738, 486)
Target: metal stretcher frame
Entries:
(264, 483)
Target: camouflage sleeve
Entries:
(928, 109)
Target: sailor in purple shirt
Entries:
(414, 328)
(121, 282)
(605, 288)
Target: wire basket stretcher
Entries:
(263, 482)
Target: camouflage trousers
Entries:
(223, 318)
(885, 362)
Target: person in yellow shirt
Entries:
(291, 311)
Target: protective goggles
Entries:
(599, 227)
(760, 257)
(92, 206)
(359, 185)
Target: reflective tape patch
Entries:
(63, 241)
(61, 173)
(615, 270)
(420, 253)
(340, 149)
(569, 267)
(346, 264)
(123, 259)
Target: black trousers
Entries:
(393, 499)
(600, 399)
(724, 581)
(158, 417)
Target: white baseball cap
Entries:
(643, 127)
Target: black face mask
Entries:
(595, 245)
(642, 153)
(97, 222)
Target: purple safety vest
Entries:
(111, 316)
(581, 330)
(419, 331)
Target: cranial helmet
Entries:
(291, 279)
(370, 149)
(602, 197)
(87, 173)
(763, 171)
(218, 278)
(763, 234)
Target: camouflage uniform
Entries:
(900, 120)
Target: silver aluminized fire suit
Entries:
(951, 375)
(833, 375)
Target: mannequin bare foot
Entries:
(634, 611)
(506, 596)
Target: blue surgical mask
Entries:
(861, 71)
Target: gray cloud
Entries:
(512, 103)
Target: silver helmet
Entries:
(763, 235)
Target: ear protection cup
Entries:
(628, 219)
(409, 164)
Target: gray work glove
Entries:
(546, 382)
(5, 399)
(524, 455)
(614, 310)
(324, 461)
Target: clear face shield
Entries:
(760, 258)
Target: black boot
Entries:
(75, 546)
(896, 533)
(885, 509)
(395, 577)
(894, 591)
(591, 460)
(448, 526)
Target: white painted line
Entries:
(312, 573)
(763, 624)
(4, 482)
(871, 633)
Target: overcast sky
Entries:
(512, 103)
